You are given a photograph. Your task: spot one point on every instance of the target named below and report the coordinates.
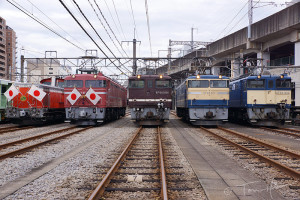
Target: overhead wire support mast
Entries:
(88, 34)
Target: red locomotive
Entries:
(150, 99)
(35, 103)
(92, 99)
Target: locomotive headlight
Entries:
(198, 76)
(160, 76)
(220, 76)
(282, 76)
(73, 76)
(259, 76)
(142, 109)
(138, 76)
(95, 76)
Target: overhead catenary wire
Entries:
(232, 20)
(63, 4)
(110, 27)
(242, 18)
(82, 13)
(55, 23)
(148, 24)
(104, 27)
(22, 9)
(118, 19)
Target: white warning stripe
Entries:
(149, 100)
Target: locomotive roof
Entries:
(207, 77)
(264, 77)
(99, 75)
(150, 77)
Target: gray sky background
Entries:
(169, 19)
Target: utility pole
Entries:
(192, 38)
(134, 67)
(250, 16)
(22, 68)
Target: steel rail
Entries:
(292, 130)
(19, 151)
(34, 137)
(99, 190)
(278, 165)
(280, 131)
(260, 142)
(164, 188)
(13, 129)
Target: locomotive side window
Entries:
(255, 83)
(47, 83)
(162, 84)
(283, 83)
(199, 84)
(95, 83)
(73, 83)
(218, 84)
(136, 84)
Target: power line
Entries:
(109, 27)
(104, 27)
(22, 9)
(78, 7)
(135, 30)
(55, 23)
(242, 18)
(118, 19)
(146, 7)
(88, 34)
(231, 20)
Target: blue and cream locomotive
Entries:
(260, 100)
(203, 99)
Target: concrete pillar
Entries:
(297, 74)
(235, 68)
(263, 59)
(215, 71)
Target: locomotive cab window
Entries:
(255, 83)
(136, 84)
(283, 83)
(218, 84)
(199, 84)
(162, 84)
(73, 83)
(95, 83)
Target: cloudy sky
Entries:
(168, 19)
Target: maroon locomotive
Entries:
(150, 99)
(91, 99)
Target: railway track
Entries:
(136, 170)
(16, 151)
(284, 131)
(283, 160)
(13, 128)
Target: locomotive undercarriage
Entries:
(261, 116)
(88, 116)
(31, 116)
(204, 116)
(150, 116)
